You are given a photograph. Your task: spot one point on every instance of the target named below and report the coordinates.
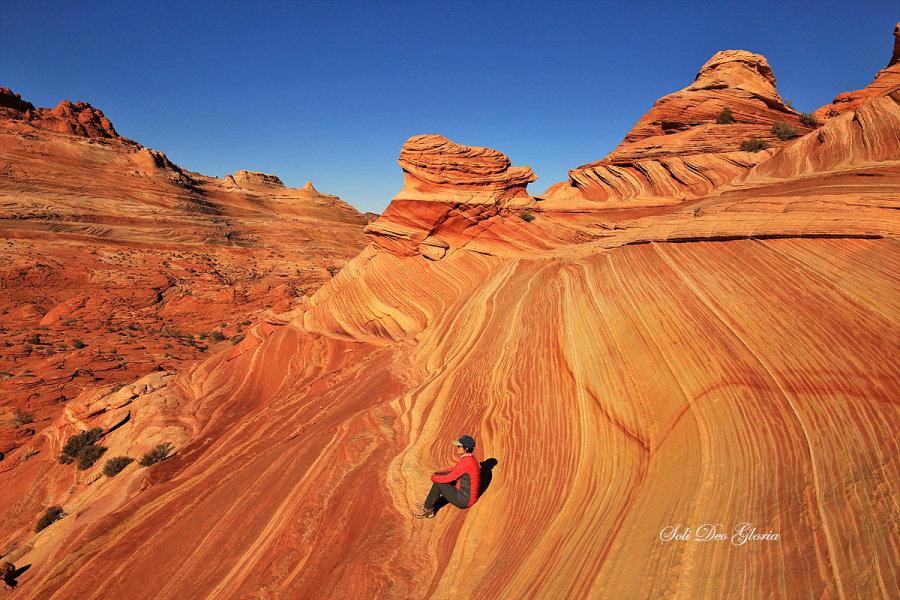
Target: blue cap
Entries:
(466, 441)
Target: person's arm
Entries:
(449, 476)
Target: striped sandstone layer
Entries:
(677, 151)
(624, 370)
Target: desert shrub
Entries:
(807, 120)
(754, 145)
(115, 465)
(50, 516)
(35, 339)
(216, 336)
(78, 344)
(789, 104)
(89, 455)
(528, 217)
(76, 443)
(158, 453)
(237, 339)
(20, 417)
(783, 131)
(725, 117)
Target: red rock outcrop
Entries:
(677, 150)
(886, 81)
(255, 179)
(118, 262)
(866, 137)
(450, 187)
(717, 362)
(78, 118)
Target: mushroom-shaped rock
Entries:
(434, 166)
(448, 188)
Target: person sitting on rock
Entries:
(467, 477)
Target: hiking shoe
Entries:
(425, 514)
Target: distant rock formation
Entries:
(101, 235)
(254, 179)
(677, 150)
(74, 118)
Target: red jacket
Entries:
(466, 473)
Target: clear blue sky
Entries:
(329, 91)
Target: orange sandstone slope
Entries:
(677, 150)
(624, 371)
(117, 262)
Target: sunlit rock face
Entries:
(678, 150)
(448, 187)
(637, 380)
(117, 262)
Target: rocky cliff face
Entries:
(715, 360)
(678, 151)
(78, 118)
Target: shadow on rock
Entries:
(11, 575)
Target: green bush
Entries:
(78, 344)
(51, 515)
(237, 339)
(807, 120)
(158, 453)
(115, 465)
(216, 336)
(527, 216)
(78, 442)
(754, 145)
(725, 117)
(89, 455)
(783, 131)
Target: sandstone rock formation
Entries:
(118, 262)
(255, 179)
(78, 118)
(450, 186)
(721, 360)
(677, 150)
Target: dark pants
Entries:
(447, 491)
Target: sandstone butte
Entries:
(625, 366)
(117, 263)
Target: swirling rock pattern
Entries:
(721, 361)
(677, 150)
